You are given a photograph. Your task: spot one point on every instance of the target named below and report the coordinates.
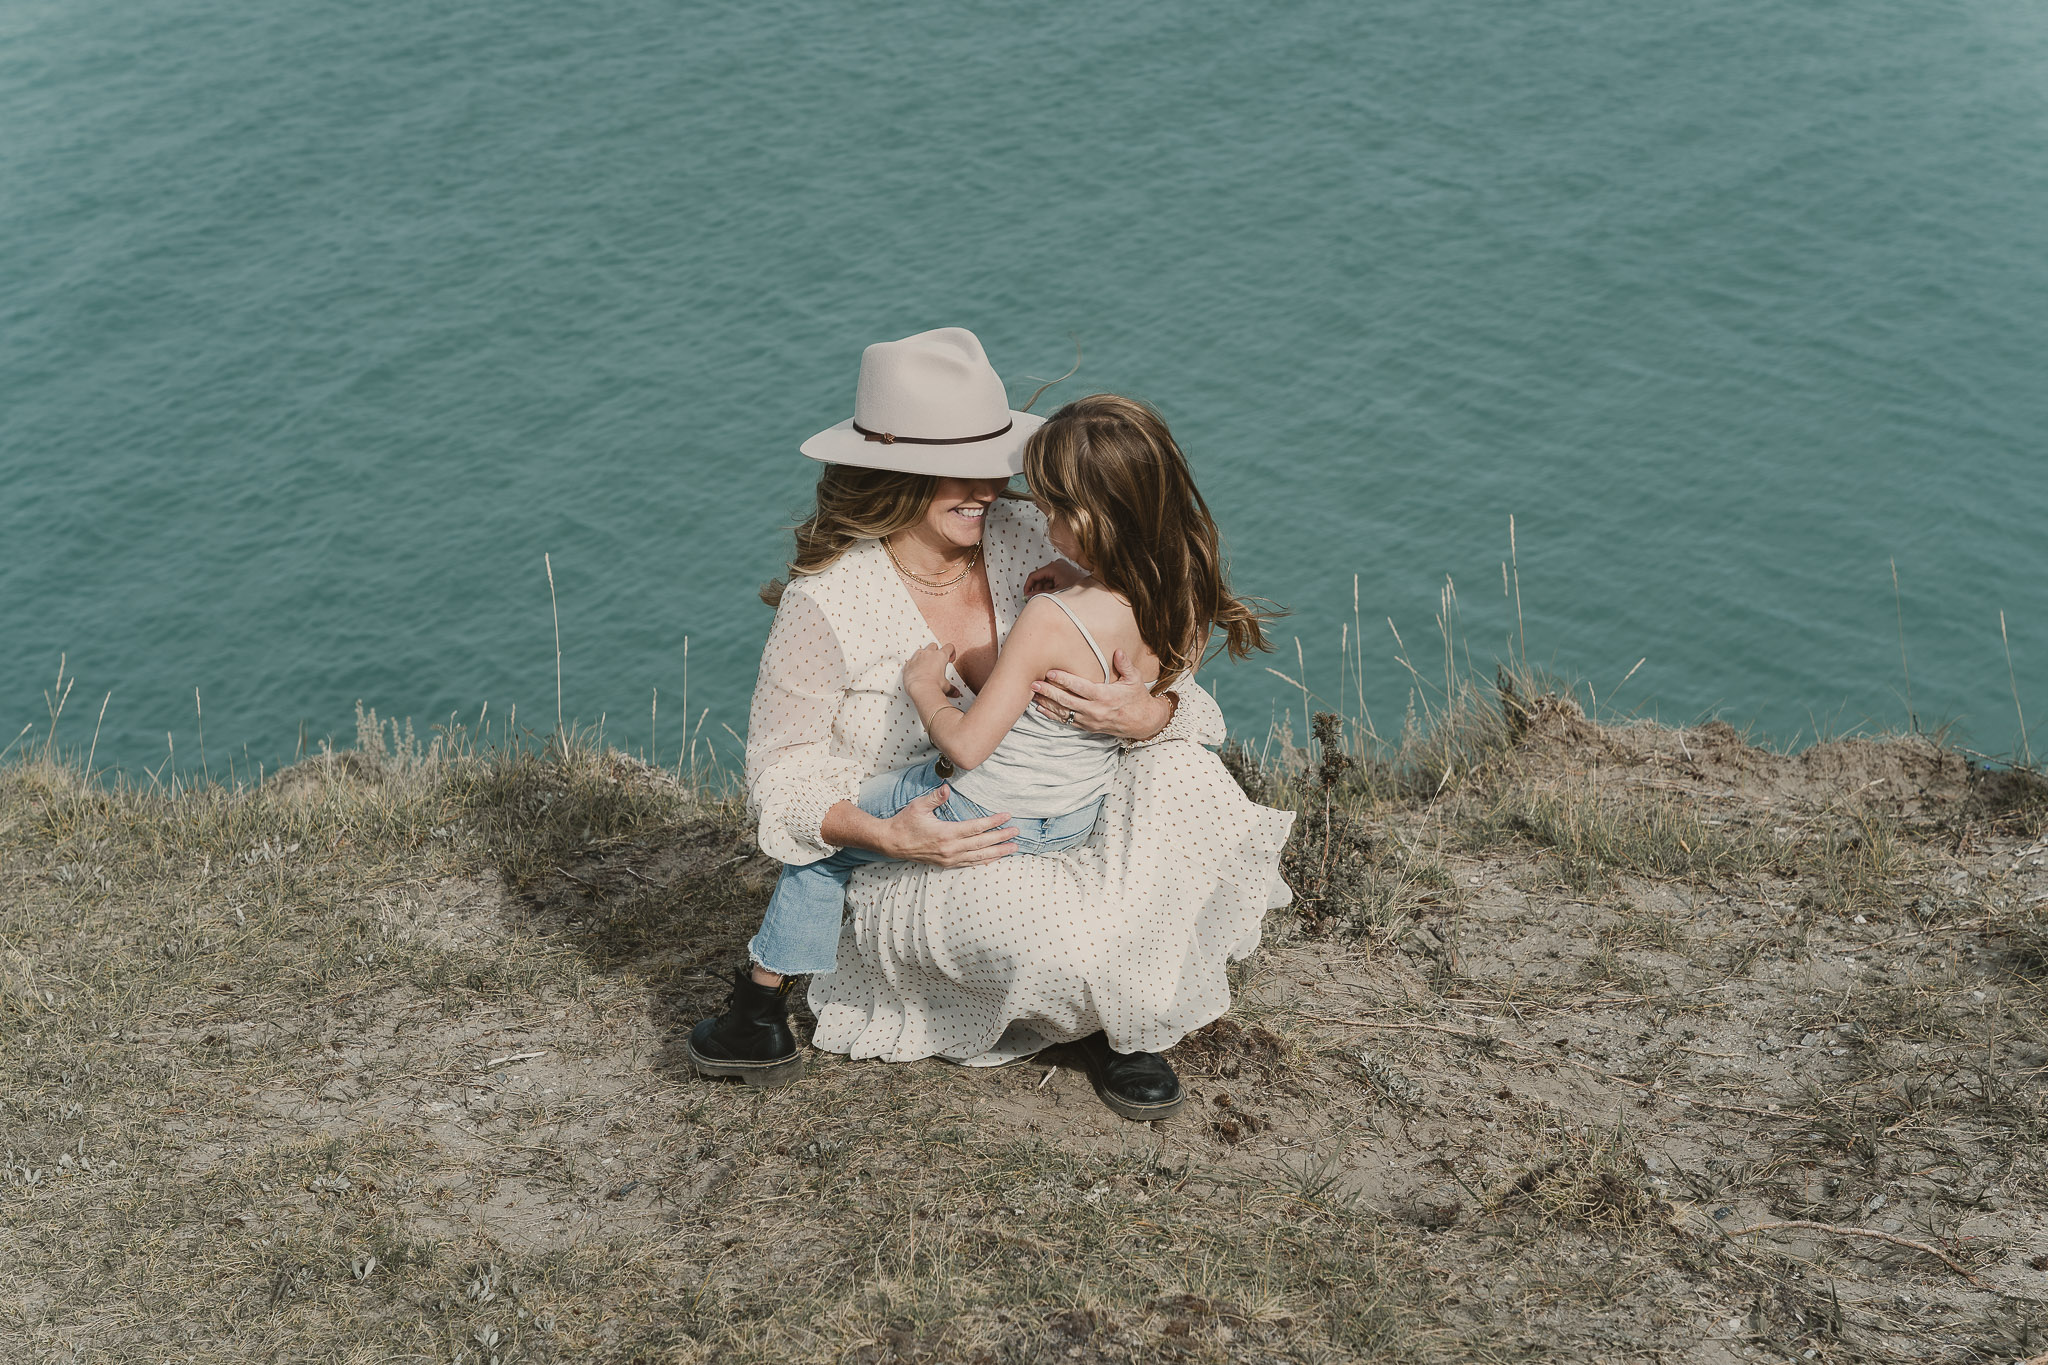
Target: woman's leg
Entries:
(1134, 1085)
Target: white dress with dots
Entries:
(1128, 933)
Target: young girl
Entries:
(1121, 504)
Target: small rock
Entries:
(1994, 1202)
(1771, 1045)
(1891, 1225)
(1874, 1203)
(1813, 1039)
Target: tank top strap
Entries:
(1101, 659)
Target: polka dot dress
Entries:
(1128, 933)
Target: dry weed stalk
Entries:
(1875, 1234)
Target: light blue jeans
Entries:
(800, 931)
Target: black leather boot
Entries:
(1135, 1085)
(751, 1040)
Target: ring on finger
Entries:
(1070, 715)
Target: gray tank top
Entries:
(1045, 767)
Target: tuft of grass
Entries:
(1595, 834)
(1346, 879)
(2012, 798)
(1361, 886)
(2025, 931)
(1639, 927)
(1607, 967)
(1859, 864)
(1594, 1184)
(529, 812)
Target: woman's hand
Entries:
(1123, 708)
(918, 835)
(927, 668)
(1054, 577)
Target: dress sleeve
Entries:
(793, 777)
(1197, 718)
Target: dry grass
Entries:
(1593, 1184)
(1860, 862)
(378, 1060)
(1594, 835)
(1803, 992)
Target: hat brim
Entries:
(999, 457)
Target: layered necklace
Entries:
(932, 585)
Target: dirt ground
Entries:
(1631, 1044)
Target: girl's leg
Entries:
(1060, 832)
(799, 932)
(1049, 834)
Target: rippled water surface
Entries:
(321, 323)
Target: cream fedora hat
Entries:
(929, 404)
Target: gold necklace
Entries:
(928, 592)
(931, 585)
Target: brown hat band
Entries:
(888, 440)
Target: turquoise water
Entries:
(321, 323)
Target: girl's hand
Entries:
(927, 667)
(1054, 577)
(919, 836)
(1123, 708)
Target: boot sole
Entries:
(760, 1075)
(1134, 1110)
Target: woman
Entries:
(954, 949)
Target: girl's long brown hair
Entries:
(853, 505)
(1111, 468)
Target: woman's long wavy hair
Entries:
(853, 505)
(1110, 467)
